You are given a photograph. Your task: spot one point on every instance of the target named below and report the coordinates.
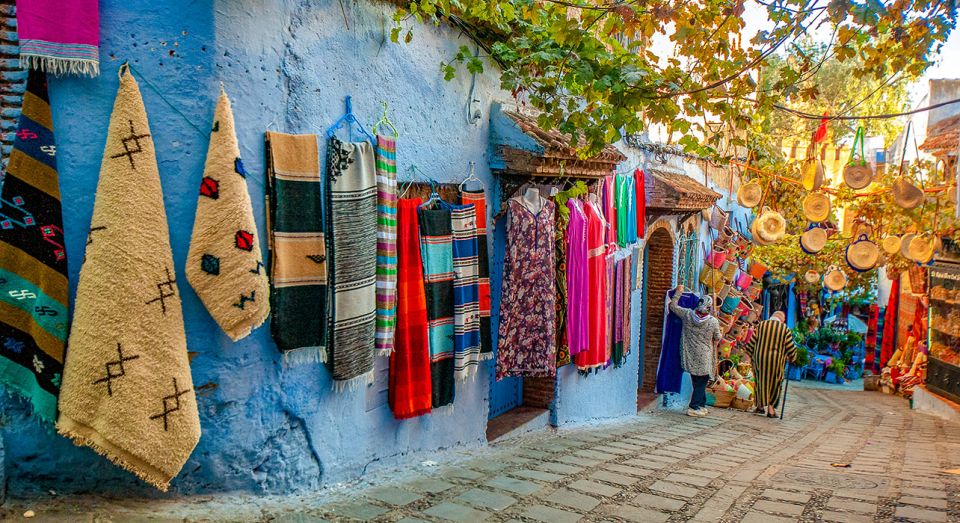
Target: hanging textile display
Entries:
(410, 391)
(352, 248)
(298, 256)
(618, 309)
(33, 262)
(224, 264)
(608, 197)
(386, 157)
(627, 305)
(577, 283)
(641, 203)
(610, 316)
(59, 37)
(595, 354)
(127, 389)
(466, 307)
(527, 342)
(626, 210)
(669, 370)
(436, 246)
(479, 202)
(871, 340)
(562, 220)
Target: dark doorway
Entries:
(657, 280)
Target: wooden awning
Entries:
(943, 137)
(672, 192)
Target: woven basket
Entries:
(871, 382)
(739, 404)
(723, 398)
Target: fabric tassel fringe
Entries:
(353, 384)
(60, 66)
(304, 356)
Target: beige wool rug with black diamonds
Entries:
(127, 391)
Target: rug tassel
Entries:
(61, 66)
(486, 356)
(304, 355)
(445, 410)
(384, 353)
(354, 383)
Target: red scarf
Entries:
(890, 323)
(641, 203)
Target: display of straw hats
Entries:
(834, 279)
(857, 175)
(811, 276)
(862, 255)
(770, 226)
(749, 195)
(905, 243)
(811, 174)
(757, 239)
(905, 194)
(922, 248)
(816, 207)
(813, 240)
(890, 244)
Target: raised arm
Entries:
(683, 312)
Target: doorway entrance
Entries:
(657, 280)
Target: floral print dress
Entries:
(527, 337)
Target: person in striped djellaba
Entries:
(769, 350)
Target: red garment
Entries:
(410, 392)
(595, 354)
(610, 211)
(890, 324)
(821, 133)
(871, 343)
(639, 176)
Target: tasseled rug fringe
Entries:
(61, 66)
(304, 355)
(355, 383)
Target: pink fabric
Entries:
(578, 290)
(60, 36)
(610, 211)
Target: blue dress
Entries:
(669, 370)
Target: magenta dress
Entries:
(527, 344)
(578, 288)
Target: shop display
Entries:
(626, 210)
(595, 354)
(385, 154)
(562, 223)
(641, 203)
(224, 264)
(127, 389)
(59, 37)
(33, 260)
(577, 279)
(945, 314)
(858, 174)
(479, 202)
(436, 245)
(466, 320)
(298, 259)
(410, 391)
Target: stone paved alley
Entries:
(660, 466)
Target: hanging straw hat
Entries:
(813, 240)
(816, 207)
(857, 174)
(757, 239)
(812, 276)
(811, 174)
(905, 244)
(905, 194)
(749, 195)
(890, 244)
(771, 225)
(834, 279)
(922, 248)
(862, 255)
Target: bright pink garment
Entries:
(578, 291)
(60, 36)
(610, 211)
(596, 353)
(641, 203)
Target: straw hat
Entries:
(749, 195)
(863, 254)
(857, 175)
(813, 240)
(816, 207)
(890, 244)
(811, 174)
(757, 239)
(834, 279)
(922, 248)
(905, 243)
(905, 194)
(812, 276)
(770, 225)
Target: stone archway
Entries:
(658, 279)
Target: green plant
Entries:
(803, 357)
(837, 366)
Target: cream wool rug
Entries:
(224, 264)
(127, 391)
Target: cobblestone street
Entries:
(730, 466)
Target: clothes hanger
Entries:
(414, 172)
(434, 196)
(472, 177)
(385, 120)
(348, 118)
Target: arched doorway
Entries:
(657, 280)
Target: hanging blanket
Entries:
(669, 369)
(436, 244)
(352, 245)
(298, 259)
(224, 264)
(127, 390)
(410, 390)
(479, 202)
(33, 286)
(386, 155)
(59, 37)
(466, 307)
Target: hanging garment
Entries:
(352, 246)
(386, 155)
(527, 342)
(127, 390)
(630, 194)
(871, 341)
(627, 305)
(618, 307)
(769, 350)
(669, 368)
(298, 252)
(577, 283)
(560, 255)
(609, 210)
(479, 202)
(595, 354)
(410, 391)
(224, 264)
(626, 210)
(34, 310)
(641, 202)
(466, 307)
(59, 37)
(890, 324)
(610, 317)
(436, 249)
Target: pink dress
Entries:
(578, 292)
(596, 353)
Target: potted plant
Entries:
(835, 371)
(795, 370)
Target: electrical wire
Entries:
(810, 116)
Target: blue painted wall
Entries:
(287, 65)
